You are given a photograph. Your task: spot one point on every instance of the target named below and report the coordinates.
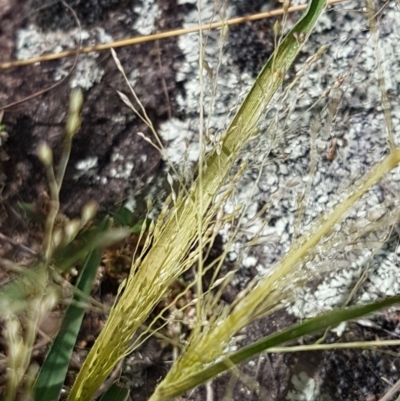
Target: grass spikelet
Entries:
(166, 259)
(208, 344)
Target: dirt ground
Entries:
(109, 134)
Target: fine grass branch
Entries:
(34, 293)
(208, 344)
(165, 261)
(28, 298)
(292, 333)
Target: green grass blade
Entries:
(271, 77)
(100, 235)
(115, 393)
(313, 325)
(163, 262)
(16, 294)
(218, 165)
(52, 374)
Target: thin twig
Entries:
(391, 392)
(150, 38)
(163, 82)
(16, 244)
(74, 53)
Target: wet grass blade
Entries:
(52, 374)
(313, 325)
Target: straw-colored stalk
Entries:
(177, 231)
(209, 344)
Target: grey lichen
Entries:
(32, 42)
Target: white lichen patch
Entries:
(86, 73)
(86, 167)
(123, 171)
(220, 96)
(343, 92)
(304, 388)
(86, 164)
(177, 135)
(31, 42)
(148, 14)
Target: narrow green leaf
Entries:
(99, 237)
(52, 374)
(115, 393)
(31, 212)
(15, 295)
(294, 332)
(123, 216)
